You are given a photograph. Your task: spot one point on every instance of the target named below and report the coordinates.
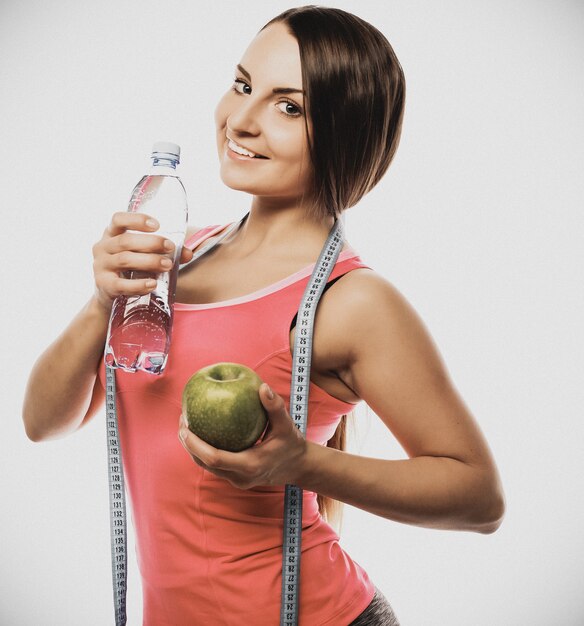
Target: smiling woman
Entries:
(309, 126)
(258, 117)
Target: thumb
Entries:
(279, 420)
(186, 254)
(273, 403)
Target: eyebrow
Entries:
(276, 89)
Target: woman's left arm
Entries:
(450, 480)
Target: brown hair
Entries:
(354, 97)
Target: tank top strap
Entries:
(352, 262)
(203, 234)
(348, 260)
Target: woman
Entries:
(310, 125)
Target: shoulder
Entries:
(366, 312)
(382, 349)
(364, 294)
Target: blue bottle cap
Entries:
(166, 149)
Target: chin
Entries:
(241, 182)
(243, 187)
(234, 181)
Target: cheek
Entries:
(221, 113)
(220, 117)
(291, 146)
(304, 164)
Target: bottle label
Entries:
(144, 192)
(162, 289)
(135, 302)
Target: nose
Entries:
(243, 119)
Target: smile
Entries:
(243, 152)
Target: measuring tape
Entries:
(299, 389)
(117, 501)
(117, 491)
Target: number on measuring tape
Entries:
(117, 500)
(299, 388)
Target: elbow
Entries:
(30, 416)
(33, 423)
(32, 435)
(493, 511)
(493, 522)
(37, 433)
(28, 421)
(40, 423)
(45, 427)
(31, 431)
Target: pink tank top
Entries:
(210, 554)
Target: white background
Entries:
(478, 222)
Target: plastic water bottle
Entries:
(140, 326)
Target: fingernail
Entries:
(269, 392)
(183, 434)
(152, 223)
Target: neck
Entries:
(272, 227)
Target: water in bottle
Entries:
(140, 326)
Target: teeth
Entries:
(237, 148)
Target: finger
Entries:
(140, 242)
(120, 286)
(225, 474)
(127, 260)
(186, 255)
(122, 221)
(213, 458)
(193, 456)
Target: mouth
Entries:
(242, 152)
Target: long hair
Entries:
(331, 509)
(354, 97)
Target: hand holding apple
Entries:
(276, 460)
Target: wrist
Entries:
(98, 310)
(307, 465)
(98, 306)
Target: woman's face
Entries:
(258, 116)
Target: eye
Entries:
(290, 109)
(240, 85)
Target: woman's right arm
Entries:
(63, 390)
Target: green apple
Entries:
(222, 406)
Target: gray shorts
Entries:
(378, 613)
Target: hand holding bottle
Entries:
(140, 325)
(121, 251)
